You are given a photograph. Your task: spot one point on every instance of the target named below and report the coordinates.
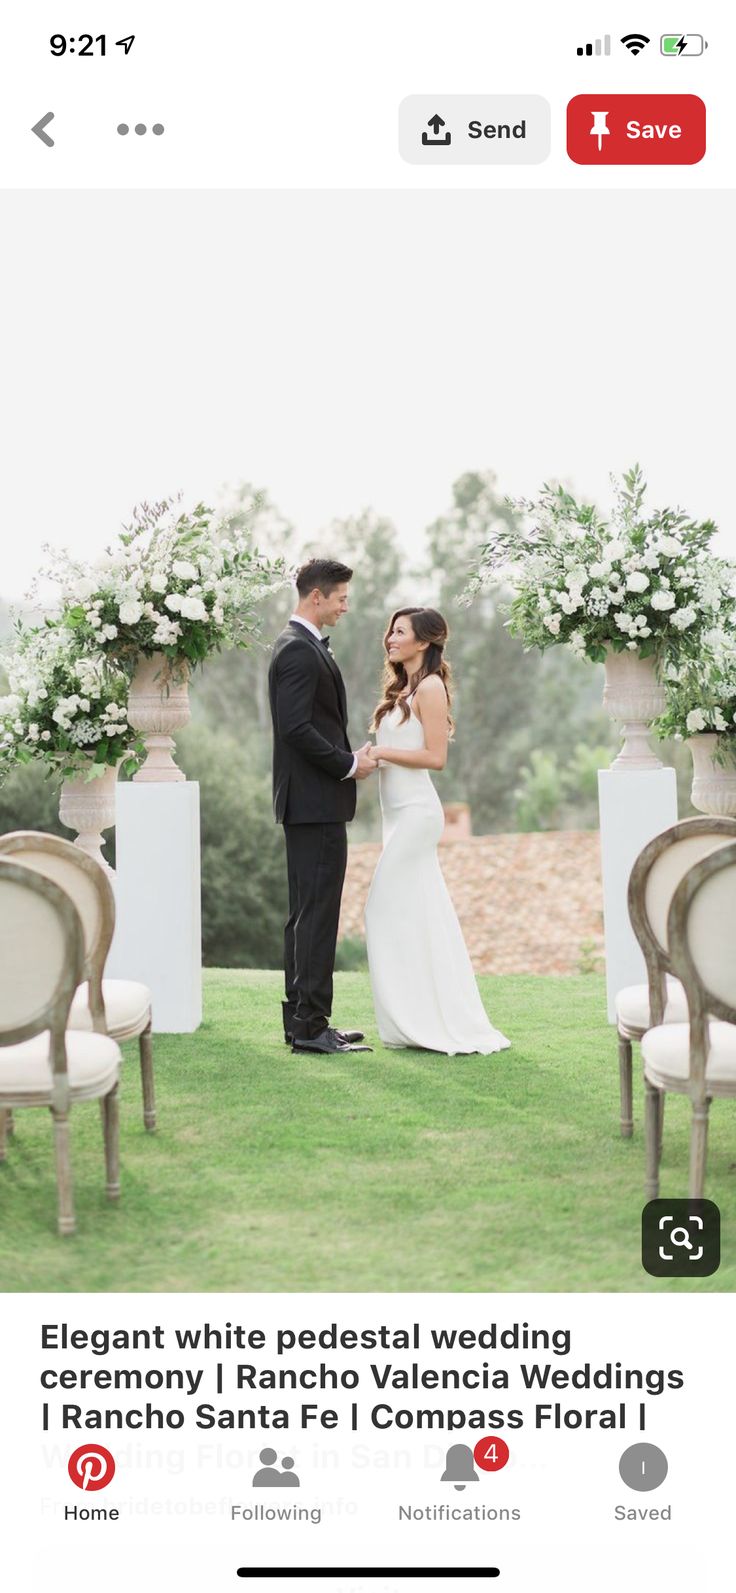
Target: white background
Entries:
(566, 1484)
(294, 94)
(354, 349)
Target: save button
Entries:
(636, 129)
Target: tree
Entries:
(508, 703)
(244, 895)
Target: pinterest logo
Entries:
(91, 1467)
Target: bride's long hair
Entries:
(428, 626)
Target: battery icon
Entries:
(682, 44)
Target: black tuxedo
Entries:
(313, 798)
(311, 751)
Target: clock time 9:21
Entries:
(85, 44)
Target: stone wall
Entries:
(527, 903)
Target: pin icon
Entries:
(91, 1467)
(600, 128)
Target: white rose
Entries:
(184, 570)
(637, 581)
(109, 632)
(173, 601)
(33, 732)
(158, 581)
(695, 721)
(45, 735)
(671, 546)
(193, 608)
(663, 600)
(130, 611)
(83, 588)
(651, 558)
(600, 572)
(613, 550)
(719, 722)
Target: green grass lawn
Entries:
(399, 1170)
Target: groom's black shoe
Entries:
(348, 1036)
(329, 1043)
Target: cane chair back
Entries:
(655, 878)
(41, 961)
(702, 939)
(89, 888)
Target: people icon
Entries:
(270, 1477)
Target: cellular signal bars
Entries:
(598, 47)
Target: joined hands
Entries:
(367, 761)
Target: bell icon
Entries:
(459, 1467)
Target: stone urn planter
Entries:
(714, 778)
(88, 806)
(158, 703)
(634, 697)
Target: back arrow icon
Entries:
(39, 126)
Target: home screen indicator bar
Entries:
(382, 1573)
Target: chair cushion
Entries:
(666, 1053)
(633, 1012)
(93, 1063)
(127, 1006)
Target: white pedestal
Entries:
(635, 805)
(158, 934)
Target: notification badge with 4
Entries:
(636, 129)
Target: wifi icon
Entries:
(635, 42)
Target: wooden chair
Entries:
(697, 1058)
(118, 1007)
(41, 1063)
(654, 878)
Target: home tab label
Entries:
(636, 129)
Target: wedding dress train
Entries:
(424, 988)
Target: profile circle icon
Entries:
(91, 1467)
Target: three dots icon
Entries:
(140, 129)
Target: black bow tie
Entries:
(325, 640)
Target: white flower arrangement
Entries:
(646, 583)
(177, 583)
(701, 693)
(65, 706)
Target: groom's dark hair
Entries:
(324, 573)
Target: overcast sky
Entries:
(345, 350)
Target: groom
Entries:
(314, 775)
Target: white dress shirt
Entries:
(298, 619)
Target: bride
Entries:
(424, 989)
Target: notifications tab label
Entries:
(636, 129)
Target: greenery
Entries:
(182, 584)
(701, 693)
(244, 892)
(397, 1170)
(640, 581)
(66, 707)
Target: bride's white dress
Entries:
(424, 988)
